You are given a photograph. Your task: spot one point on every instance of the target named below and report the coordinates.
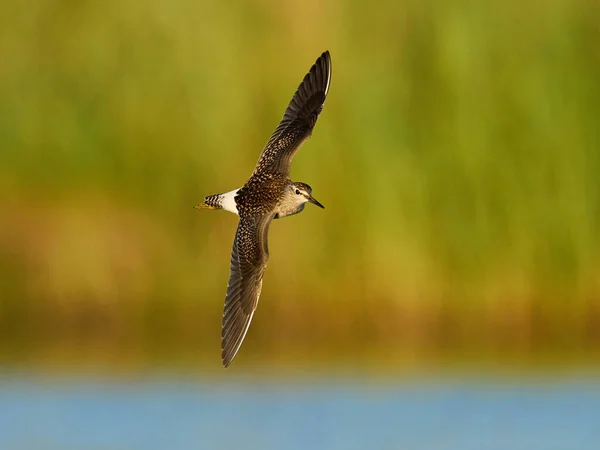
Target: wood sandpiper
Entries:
(268, 194)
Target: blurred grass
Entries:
(457, 155)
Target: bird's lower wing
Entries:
(248, 263)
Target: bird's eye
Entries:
(297, 192)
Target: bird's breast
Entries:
(284, 210)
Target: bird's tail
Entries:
(210, 202)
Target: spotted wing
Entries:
(248, 262)
(299, 119)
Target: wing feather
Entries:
(298, 120)
(248, 263)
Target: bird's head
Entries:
(302, 193)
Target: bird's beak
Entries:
(314, 202)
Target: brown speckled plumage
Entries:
(268, 194)
(261, 193)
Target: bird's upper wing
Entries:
(299, 119)
(248, 262)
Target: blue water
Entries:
(171, 414)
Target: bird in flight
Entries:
(268, 194)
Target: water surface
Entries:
(175, 413)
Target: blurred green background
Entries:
(457, 157)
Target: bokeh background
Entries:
(457, 157)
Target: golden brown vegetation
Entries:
(458, 159)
